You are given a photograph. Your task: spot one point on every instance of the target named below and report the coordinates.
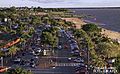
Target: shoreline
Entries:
(102, 25)
(109, 33)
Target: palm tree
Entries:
(13, 50)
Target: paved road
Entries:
(57, 70)
(60, 64)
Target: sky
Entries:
(60, 3)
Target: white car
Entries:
(60, 47)
(38, 39)
(39, 50)
(69, 58)
(17, 60)
(36, 57)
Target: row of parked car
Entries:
(31, 61)
(33, 53)
(75, 52)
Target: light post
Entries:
(1, 58)
(87, 57)
(1, 61)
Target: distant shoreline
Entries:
(68, 7)
(96, 8)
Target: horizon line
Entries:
(63, 7)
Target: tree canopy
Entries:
(90, 27)
(18, 71)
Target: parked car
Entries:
(81, 65)
(65, 46)
(79, 60)
(36, 57)
(22, 62)
(77, 54)
(69, 59)
(74, 51)
(32, 65)
(81, 72)
(17, 60)
(39, 50)
(80, 68)
(72, 41)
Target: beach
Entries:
(109, 33)
(78, 22)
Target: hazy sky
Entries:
(61, 3)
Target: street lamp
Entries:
(1, 61)
(3, 50)
(87, 56)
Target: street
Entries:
(61, 61)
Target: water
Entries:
(109, 18)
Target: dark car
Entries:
(32, 64)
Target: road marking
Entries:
(52, 72)
(67, 64)
(58, 57)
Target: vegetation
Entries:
(18, 71)
(48, 38)
(101, 48)
(22, 22)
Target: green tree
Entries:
(108, 50)
(79, 33)
(13, 50)
(18, 71)
(118, 68)
(90, 27)
(48, 38)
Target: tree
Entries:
(13, 50)
(36, 20)
(90, 28)
(108, 50)
(48, 38)
(12, 9)
(118, 68)
(79, 33)
(18, 71)
(69, 23)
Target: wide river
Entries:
(110, 18)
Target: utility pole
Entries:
(87, 59)
(1, 61)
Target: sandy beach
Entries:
(78, 22)
(109, 33)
